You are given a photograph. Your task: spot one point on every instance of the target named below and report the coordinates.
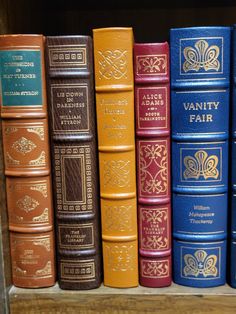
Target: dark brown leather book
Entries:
(27, 160)
(74, 160)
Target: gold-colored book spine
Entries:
(113, 57)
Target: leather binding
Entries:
(232, 242)
(72, 115)
(152, 104)
(113, 60)
(5, 265)
(232, 166)
(232, 277)
(199, 99)
(27, 160)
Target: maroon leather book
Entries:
(72, 119)
(152, 103)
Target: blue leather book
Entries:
(200, 167)
(200, 217)
(232, 263)
(200, 79)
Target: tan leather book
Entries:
(27, 160)
(113, 57)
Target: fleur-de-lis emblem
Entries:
(151, 64)
(155, 242)
(155, 269)
(200, 264)
(201, 165)
(201, 56)
(155, 217)
(154, 151)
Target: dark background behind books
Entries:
(150, 19)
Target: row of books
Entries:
(98, 113)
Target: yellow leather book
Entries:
(113, 57)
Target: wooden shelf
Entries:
(104, 300)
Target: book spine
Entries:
(152, 103)
(27, 160)
(5, 257)
(113, 59)
(74, 160)
(232, 220)
(232, 244)
(199, 99)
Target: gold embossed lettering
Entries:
(200, 118)
(196, 106)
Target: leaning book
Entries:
(27, 160)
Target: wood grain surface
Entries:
(174, 299)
